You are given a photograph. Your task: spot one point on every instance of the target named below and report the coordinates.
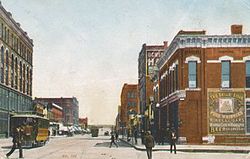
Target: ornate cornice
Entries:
(7, 17)
(203, 41)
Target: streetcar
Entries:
(36, 129)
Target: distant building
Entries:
(16, 64)
(83, 122)
(70, 108)
(55, 112)
(129, 104)
(148, 57)
(205, 87)
(118, 125)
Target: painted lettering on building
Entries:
(226, 112)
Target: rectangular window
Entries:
(248, 74)
(225, 74)
(192, 74)
(176, 78)
(129, 104)
(2, 30)
(248, 116)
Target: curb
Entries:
(190, 150)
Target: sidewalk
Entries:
(6, 142)
(191, 148)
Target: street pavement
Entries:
(207, 148)
(86, 147)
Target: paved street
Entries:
(86, 147)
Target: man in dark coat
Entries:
(116, 136)
(149, 144)
(135, 135)
(17, 142)
(112, 140)
(173, 139)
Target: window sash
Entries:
(248, 124)
(192, 74)
(225, 74)
(248, 74)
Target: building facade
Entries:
(83, 122)
(118, 125)
(148, 57)
(16, 53)
(70, 108)
(55, 112)
(204, 87)
(129, 106)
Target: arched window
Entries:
(12, 70)
(20, 76)
(16, 73)
(24, 78)
(2, 65)
(27, 81)
(7, 68)
(31, 82)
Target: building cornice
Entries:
(7, 17)
(203, 41)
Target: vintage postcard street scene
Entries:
(124, 79)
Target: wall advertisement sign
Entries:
(226, 112)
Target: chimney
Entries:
(165, 44)
(236, 29)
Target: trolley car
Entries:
(36, 129)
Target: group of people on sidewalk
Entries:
(149, 142)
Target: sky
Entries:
(89, 48)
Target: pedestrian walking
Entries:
(17, 141)
(173, 139)
(149, 144)
(112, 141)
(116, 136)
(135, 135)
(142, 136)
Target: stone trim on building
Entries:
(203, 41)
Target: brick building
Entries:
(148, 57)
(70, 108)
(83, 122)
(205, 87)
(55, 112)
(129, 104)
(16, 54)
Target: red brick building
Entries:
(83, 122)
(56, 112)
(129, 104)
(205, 87)
(70, 108)
(148, 57)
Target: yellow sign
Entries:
(226, 112)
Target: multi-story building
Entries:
(129, 105)
(55, 112)
(16, 53)
(148, 57)
(83, 122)
(118, 120)
(70, 108)
(205, 87)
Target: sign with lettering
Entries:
(226, 112)
(152, 58)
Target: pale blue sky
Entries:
(89, 48)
